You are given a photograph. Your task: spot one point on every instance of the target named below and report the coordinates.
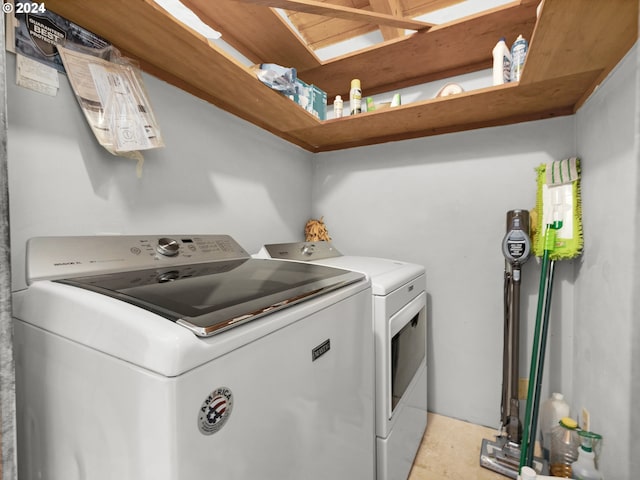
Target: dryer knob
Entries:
(307, 250)
(168, 247)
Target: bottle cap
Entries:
(338, 97)
(569, 423)
(355, 83)
(527, 473)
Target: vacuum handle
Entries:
(516, 245)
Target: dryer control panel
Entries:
(300, 251)
(64, 257)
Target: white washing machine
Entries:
(400, 328)
(155, 358)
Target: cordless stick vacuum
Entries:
(503, 454)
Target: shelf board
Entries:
(492, 106)
(574, 45)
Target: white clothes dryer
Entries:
(399, 301)
(157, 358)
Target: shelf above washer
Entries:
(573, 45)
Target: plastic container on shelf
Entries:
(519, 51)
(565, 442)
(585, 467)
(501, 63)
(553, 410)
(338, 106)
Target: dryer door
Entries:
(408, 333)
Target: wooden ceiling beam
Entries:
(319, 8)
(388, 7)
(247, 27)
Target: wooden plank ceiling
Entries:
(263, 35)
(288, 33)
(322, 31)
(256, 30)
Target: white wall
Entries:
(606, 346)
(442, 202)
(217, 174)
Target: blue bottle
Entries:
(518, 55)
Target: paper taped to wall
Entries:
(113, 100)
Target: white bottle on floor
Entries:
(553, 409)
(585, 467)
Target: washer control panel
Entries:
(64, 257)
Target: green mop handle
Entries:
(534, 357)
(541, 355)
(549, 243)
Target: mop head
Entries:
(558, 199)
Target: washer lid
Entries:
(213, 297)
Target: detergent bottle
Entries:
(501, 63)
(518, 55)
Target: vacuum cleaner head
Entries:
(503, 456)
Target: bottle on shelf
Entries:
(519, 51)
(355, 97)
(338, 107)
(564, 447)
(501, 63)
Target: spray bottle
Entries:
(585, 467)
(355, 97)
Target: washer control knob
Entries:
(168, 247)
(307, 250)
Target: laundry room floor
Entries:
(450, 449)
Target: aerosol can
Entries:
(355, 97)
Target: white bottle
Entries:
(519, 51)
(338, 106)
(552, 411)
(355, 97)
(501, 63)
(585, 467)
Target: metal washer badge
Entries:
(215, 411)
